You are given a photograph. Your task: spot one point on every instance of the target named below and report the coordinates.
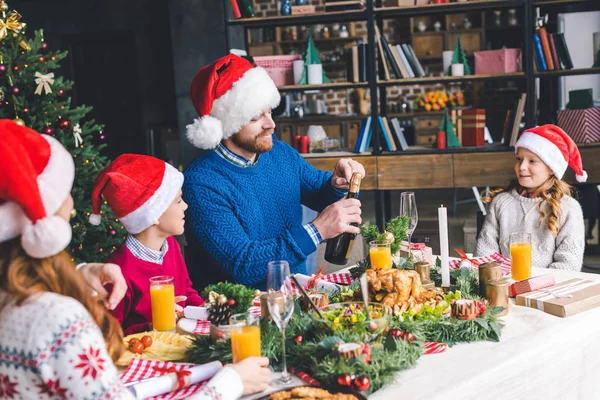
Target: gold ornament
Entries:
(25, 45)
(11, 24)
(19, 121)
(3, 6)
(73, 213)
(389, 236)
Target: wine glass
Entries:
(408, 207)
(280, 300)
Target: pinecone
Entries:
(219, 313)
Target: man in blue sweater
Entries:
(245, 193)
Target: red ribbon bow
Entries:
(464, 257)
(312, 282)
(181, 374)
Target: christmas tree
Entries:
(311, 56)
(32, 95)
(447, 127)
(459, 57)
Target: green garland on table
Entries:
(465, 280)
(242, 295)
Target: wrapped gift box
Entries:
(531, 285)
(419, 251)
(469, 126)
(495, 62)
(565, 298)
(582, 125)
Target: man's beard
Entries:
(257, 144)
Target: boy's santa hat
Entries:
(138, 189)
(36, 176)
(556, 149)
(227, 94)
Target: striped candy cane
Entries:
(435, 347)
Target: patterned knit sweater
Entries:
(511, 212)
(239, 219)
(51, 348)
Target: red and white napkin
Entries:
(495, 257)
(168, 377)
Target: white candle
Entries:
(443, 220)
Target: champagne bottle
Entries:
(339, 248)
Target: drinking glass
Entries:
(408, 207)
(281, 305)
(162, 298)
(380, 254)
(520, 255)
(245, 336)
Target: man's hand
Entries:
(97, 275)
(178, 308)
(336, 218)
(343, 172)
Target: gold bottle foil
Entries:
(497, 293)
(491, 271)
(355, 182)
(424, 270)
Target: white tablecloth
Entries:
(539, 356)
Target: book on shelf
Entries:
(546, 48)
(364, 137)
(398, 62)
(539, 52)
(387, 136)
(390, 57)
(412, 60)
(507, 127)
(386, 72)
(563, 50)
(553, 51)
(236, 9)
(399, 133)
(409, 70)
(245, 7)
(517, 119)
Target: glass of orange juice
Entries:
(245, 336)
(380, 254)
(520, 255)
(162, 297)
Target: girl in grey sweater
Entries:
(539, 202)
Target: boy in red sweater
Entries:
(145, 194)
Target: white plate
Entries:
(187, 325)
(194, 312)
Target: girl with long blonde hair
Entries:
(539, 202)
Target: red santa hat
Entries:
(36, 177)
(138, 188)
(556, 149)
(227, 94)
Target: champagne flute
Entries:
(408, 207)
(280, 301)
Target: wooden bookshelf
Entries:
(303, 42)
(323, 86)
(477, 5)
(567, 72)
(428, 80)
(304, 19)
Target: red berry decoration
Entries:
(44, 46)
(61, 92)
(298, 339)
(231, 302)
(481, 308)
(64, 123)
(15, 90)
(367, 353)
(48, 130)
(397, 333)
(409, 336)
(344, 380)
(362, 383)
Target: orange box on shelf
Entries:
(301, 10)
(473, 127)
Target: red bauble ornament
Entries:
(298, 339)
(373, 326)
(409, 336)
(367, 353)
(64, 123)
(362, 383)
(44, 46)
(231, 302)
(16, 67)
(2, 68)
(48, 130)
(15, 90)
(345, 380)
(113, 232)
(61, 92)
